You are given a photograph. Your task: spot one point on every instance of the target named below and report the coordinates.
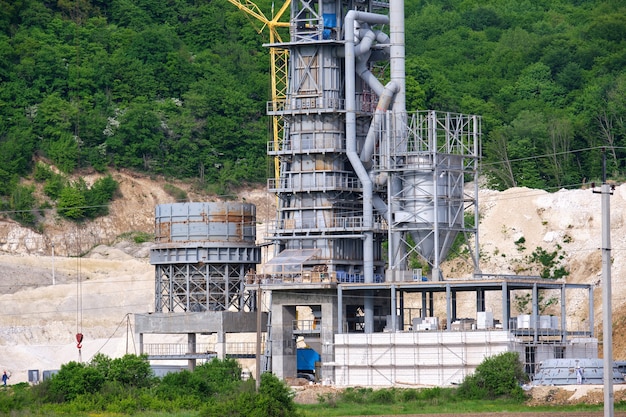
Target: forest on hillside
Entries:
(179, 88)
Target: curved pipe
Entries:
(384, 102)
(353, 157)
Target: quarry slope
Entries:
(98, 293)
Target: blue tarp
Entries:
(307, 358)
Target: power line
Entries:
(526, 158)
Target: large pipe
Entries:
(362, 54)
(397, 58)
(397, 73)
(384, 102)
(368, 216)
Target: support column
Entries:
(402, 310)
(506, 306)
(535, 315)
(591, 313)
(480, 299)
(563, 316)
(191, 348)
(330, 322)
(339, 309)
(448, 308)
(424, 304)
(394, 309)
(453, 317)
(220, 346)
(431, 304)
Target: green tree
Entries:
(72, 202)
(97, 197)
(22, 203)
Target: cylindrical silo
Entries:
(202, 254)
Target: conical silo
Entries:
(441, 153)
(434, 204)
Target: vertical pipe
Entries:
(454, 305)
(480, 299)
(394, 309)
(396, 59)
(476, 211)
(353, 157)
(397, 75)
(258, 335)
(401, 315)
(432, 147)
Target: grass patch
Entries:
(445, 402)
(179, 194)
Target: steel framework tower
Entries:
(354, 172)
(321, 217)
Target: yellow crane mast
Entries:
(278, 65)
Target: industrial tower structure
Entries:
(356, 173)
(361, 185)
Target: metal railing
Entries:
(311, 277)
(177, 349)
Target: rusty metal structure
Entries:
(202, 254)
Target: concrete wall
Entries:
(201, 322)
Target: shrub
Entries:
(356, 395)
(383, 396)
(54, 185)
(214, 377)
(131, 371)
(42, 172)
(497, 376)
(274, 399)
(74, 379)
(178, 193)
(97, 197)
(142, 237)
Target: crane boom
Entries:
(278, 64)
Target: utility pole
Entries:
(53, 277)
(258, 334)
(607, 320)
